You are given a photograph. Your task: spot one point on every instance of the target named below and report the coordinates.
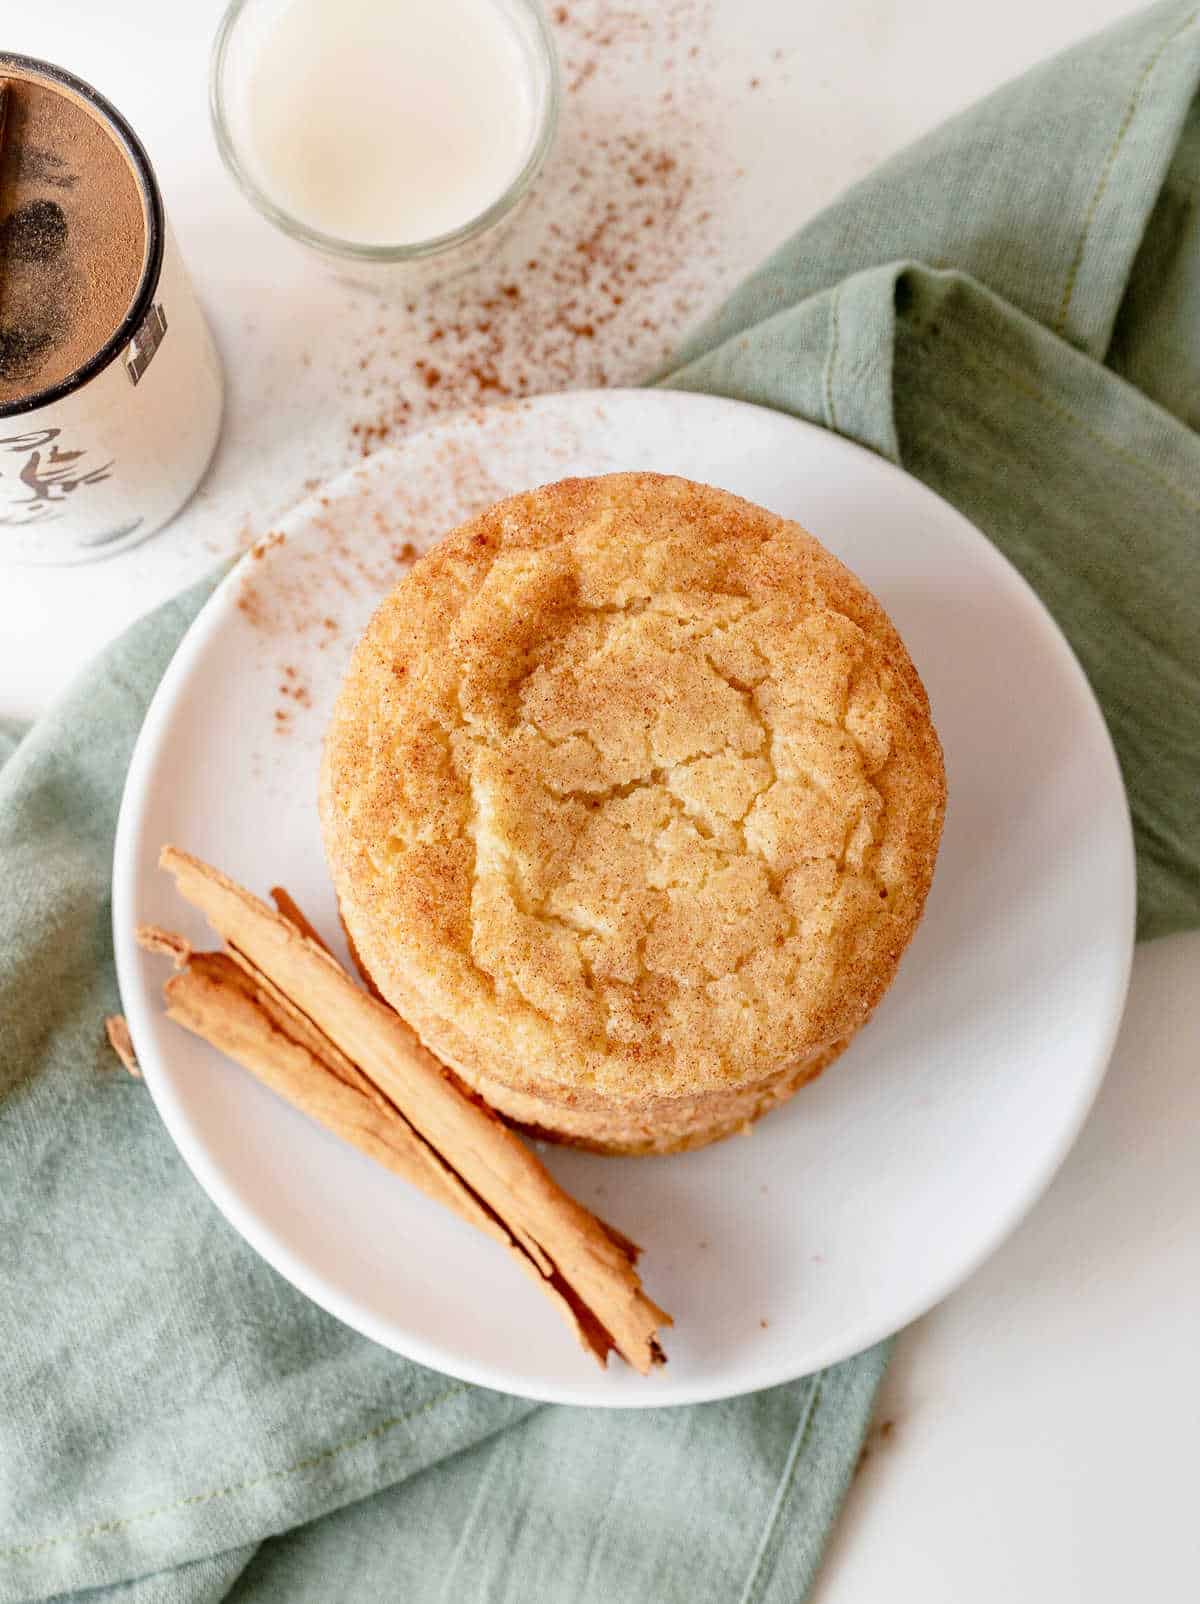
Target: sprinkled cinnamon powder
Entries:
(613, 256)
(291, 599)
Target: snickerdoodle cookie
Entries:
(632, 801)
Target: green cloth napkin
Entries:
(1012, 310)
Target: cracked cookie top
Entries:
(631, 791)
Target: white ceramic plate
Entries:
(860, 1204)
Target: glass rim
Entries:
(358, 250)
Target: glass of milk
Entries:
(392, 134)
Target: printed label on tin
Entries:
(37, 487)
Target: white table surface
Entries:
(1036, 1435)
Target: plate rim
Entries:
(210, 1176)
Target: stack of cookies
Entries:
(632, 801)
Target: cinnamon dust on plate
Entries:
(363, 550)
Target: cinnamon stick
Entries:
(214, 998)
(172, 946)
(116, 1029)
(327, 1022)
(287, 907)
